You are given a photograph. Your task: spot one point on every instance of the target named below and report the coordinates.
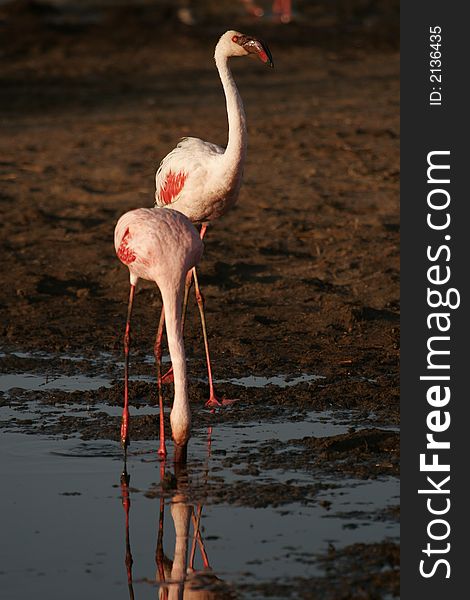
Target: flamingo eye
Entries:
(235, 38)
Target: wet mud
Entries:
(300, 279)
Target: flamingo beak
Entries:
(255, 46)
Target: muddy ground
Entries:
(301, 277)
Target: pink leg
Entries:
(187, 287)
(189, 281)
(282, 10)
(213, 401)
(287, 11)
(253, 9)
(158, 360)
(157, 349)
(127, 342)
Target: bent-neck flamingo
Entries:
(160, 245)
(202, 180)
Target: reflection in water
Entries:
(177, 578)
(126, 503)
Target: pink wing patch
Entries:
(125, 253)
(172, 186)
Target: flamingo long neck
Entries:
(180, 416)
(235, 152)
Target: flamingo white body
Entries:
(198, 179)
(161, 245)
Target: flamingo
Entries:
(202, 180)
(282, 9)
(160, 245)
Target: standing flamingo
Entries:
(160, 245)
(282, 9)
(202, 180)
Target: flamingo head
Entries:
(235, 43)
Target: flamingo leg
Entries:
(253, 9)
(287, 11)
(187, 287)
(158, 360)
(282, 10)
(213, 401)
(127, 343)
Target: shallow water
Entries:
(70, 538)
(31, 381)
(34, 381)
(318, 423)
(281, 381)
(64, 509)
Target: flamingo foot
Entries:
(214, 402)
(167, 377)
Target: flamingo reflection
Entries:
(177, 578)
(126, 503)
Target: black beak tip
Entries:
(269, 57)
